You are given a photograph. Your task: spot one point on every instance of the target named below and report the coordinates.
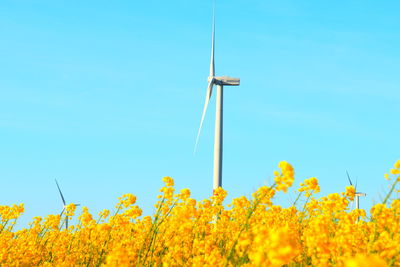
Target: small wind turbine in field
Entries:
(219, 81)
(64, 205)
(358, 194)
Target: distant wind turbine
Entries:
(64, 205)
(219, 82)
(358, 194)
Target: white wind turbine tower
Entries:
(64, 205)
(219, 81)
(358, 194)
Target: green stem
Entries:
(298, 197)
(391, 191)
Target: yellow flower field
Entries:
(186, 232)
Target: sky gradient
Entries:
(106, 97)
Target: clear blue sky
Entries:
(106, 96)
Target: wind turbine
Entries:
(358, 194)
(64, 205)
(219, 81)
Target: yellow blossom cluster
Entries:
(185, 232)
(310, 186)
(285, 178)
(350, 192)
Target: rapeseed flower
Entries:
(285, 178)
(250, 231)
(310, 186)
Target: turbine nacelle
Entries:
(226, 80)
(359, 194)
(64, 206)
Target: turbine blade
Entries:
(212, 64)
(348, 177)
(356, 184)
(62, 211)
(208, 96)
(66, 222)
(59, 190)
